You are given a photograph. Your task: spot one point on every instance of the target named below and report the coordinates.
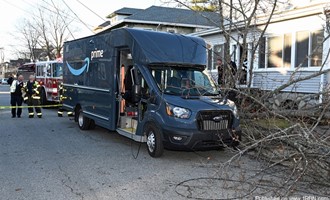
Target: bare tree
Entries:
(46, 30)
(239, 16)
(30, 38)
(43, 28)
(298, 139)
(53, 28)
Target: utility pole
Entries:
(2, 60)
(2, 54)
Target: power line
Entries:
(45, 8)
(58, 11)
(15, 6)
(66, 25)
(91, 10)
(77, 16)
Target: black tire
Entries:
(155, 145)
(92, 124)
(43, 98)
(83, 122)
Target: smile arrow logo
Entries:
(77, 72)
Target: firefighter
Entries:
(33, 97)
(61, 110)
(16, 98)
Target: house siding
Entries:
(273, 80)
(179, 30)
(214, 39)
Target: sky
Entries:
(12, 14)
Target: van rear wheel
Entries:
(83, 122)
(154, 141)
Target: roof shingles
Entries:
(125, 11)
(175, 15)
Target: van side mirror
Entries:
(153, 98)
(136, 93)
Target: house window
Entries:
(287, 44)
(302, 43)
(262, 53)
(279, 51)
(209, 59)
(309, 48)
(171, 30)
(317, 48)
(274, 52)
(218, 53)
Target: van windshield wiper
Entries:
(203, 91)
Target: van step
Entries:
(128, 132)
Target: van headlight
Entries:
(235, 112)
(233, 106)
(178, 112)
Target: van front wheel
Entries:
(83, 122)
(154, 141)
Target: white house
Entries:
(292, 35)
(157, 18)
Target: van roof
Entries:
(151, 47)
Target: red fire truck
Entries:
(26, 70)
(49, 74)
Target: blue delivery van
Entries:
(149, 86)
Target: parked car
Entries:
(3, 81)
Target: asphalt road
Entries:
(51, 158)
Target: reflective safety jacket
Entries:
(32, 90)
(17, 88)
(13, 86)
(61, 92)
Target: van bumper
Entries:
(183, 139)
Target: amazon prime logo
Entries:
(96, 54)
(79, 71)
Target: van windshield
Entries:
(183, 81)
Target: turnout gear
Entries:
(61, 110)
(16, 98)
(33, 98)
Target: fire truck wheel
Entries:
(83, 122)
(43, 99)
(154, 141)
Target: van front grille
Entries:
(214, 120)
